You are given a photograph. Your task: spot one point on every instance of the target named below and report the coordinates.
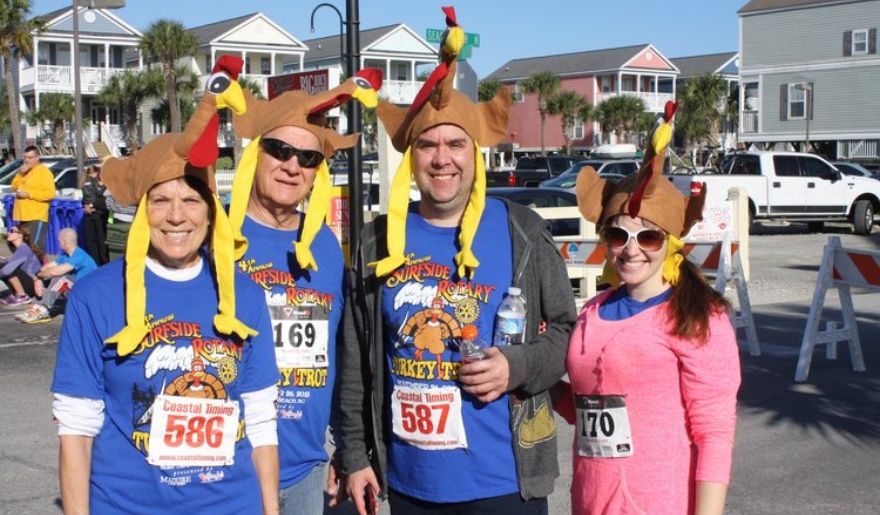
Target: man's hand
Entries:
(22, 194)
(334, 478)
(356, 485)
(486, 379)
(88, 209)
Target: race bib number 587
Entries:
(428, 418)
(188, 432)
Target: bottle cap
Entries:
(469, 332)
(513, 290)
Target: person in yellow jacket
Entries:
(34, 187)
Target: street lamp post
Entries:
(352, 55)
(77, 88)
(808, 111)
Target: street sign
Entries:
(436, 35)
(465, 53)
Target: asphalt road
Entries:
(811, 448)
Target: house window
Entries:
(208, 64)
(860, 42)
(517, 93)
(628, 83)
(577, 130)
(266, 65)
(401, 71)
(605, 83)
(797, 102)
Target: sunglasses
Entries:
(649, 240)
(282, 151)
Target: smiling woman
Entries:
(179, 214)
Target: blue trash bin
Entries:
(8, 203)
(56, 218)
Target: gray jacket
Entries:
(534, 366)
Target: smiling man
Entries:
(298, 262)
(417, 422)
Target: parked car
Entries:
(536, 198)
(530, 171)
(855, 169)
(614, 169)
(792, 186)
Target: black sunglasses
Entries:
(282, 151)
(649, 240)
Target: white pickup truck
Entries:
(792, 186)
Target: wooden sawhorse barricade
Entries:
(840, 268)
(715, 258)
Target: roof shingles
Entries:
(568, 64)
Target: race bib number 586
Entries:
(428, 418)
(188, 432)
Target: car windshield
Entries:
(8, 171)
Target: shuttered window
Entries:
(796, 101)
(860, 42)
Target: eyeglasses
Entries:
(14, 231)
(30, 156)
(648, 239)
(282, 151)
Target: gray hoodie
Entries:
(534, 366)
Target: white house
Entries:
(106, 48)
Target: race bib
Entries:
(189, 432)
(428, 418)
(300, 342)
(602, 427)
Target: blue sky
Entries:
(508, 29)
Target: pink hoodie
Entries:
(681, 402)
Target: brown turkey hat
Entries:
(645, 194)
(166, 158)
(299, 109)
(438, 103)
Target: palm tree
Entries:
(700, 112)
(571, 106)
(187, 84)
(544, 84)
(166, 41)
(16, 40)
(59, 110)
(621, 115)
(487, 89)
(129, 90)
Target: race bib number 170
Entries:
(188, 432)
(602, 426)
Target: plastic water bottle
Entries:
(510, 321)
(472, 347)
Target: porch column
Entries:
(673, 88)
(656, 89)
(213, 59)
(244, 57)
(619, 81)
(638, 83)
(272, 64)
(301, 62)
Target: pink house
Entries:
(639, 70)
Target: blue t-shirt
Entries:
(81, 262)
(620, 306)
(305, 308)
(180, 316)
(425, 304)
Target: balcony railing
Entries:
(400, 91)
(60, 78)
(750, 121)
(654, 102)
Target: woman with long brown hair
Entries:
(20, 269)
(653, 361)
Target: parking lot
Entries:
(811, 448)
